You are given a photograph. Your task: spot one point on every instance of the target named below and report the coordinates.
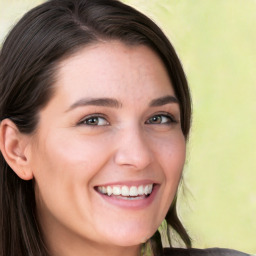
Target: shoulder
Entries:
(202, 252)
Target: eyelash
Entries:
(94, 116)
(170, 118)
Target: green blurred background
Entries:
(216, 41)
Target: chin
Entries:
(131, 237)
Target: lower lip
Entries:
(135, 204)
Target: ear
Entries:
(14, 147)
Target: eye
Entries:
(161, 119)
(94, 121)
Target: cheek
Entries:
(64, 171)
(175, 161)
(171, 154)
(65, 168)
(73, 155)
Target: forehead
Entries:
(112, 68)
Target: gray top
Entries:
(202, 252)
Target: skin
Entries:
(131, 142)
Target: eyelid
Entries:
(165, 114)
(95, 115)
(172, 118)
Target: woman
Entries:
(95, 112)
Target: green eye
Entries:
(95, 121)
(160, 119)
(156, 120)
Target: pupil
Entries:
(93, 120)
(156, 119)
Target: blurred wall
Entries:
(216, 41)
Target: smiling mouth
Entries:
(126, 192)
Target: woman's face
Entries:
(110, 134)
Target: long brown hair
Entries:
(46, 35)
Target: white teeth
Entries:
(116, 191)
(140, 190)
(150, 188)
(103, 190)
(133, 191)
(146, 190)
(109, 190)
(125, 191)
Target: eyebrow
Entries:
(105, 102)
(109, 102)
(163, 101)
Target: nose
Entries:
(133, 150)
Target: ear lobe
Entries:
(13, 146)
